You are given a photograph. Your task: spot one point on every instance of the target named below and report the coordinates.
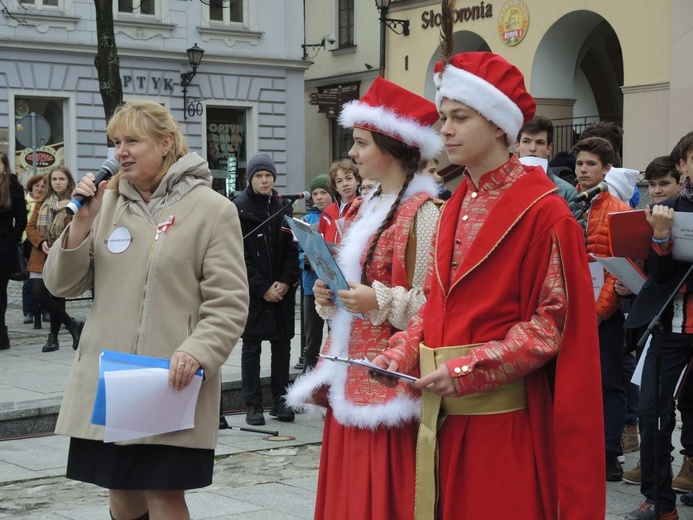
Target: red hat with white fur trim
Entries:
(392, 110)
(490, 85)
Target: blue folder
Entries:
(321, 258)
(112, 360)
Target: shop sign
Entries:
(432, 18)
(330, 99)
(46, 157)
(513, 22)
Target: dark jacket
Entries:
(271, 255)
(12, 224)
(664, 274)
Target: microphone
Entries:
(302, 195)
(588, 195)
(108, 169)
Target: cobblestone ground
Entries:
(41, 497)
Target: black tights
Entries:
(49, 303)
(4, 280)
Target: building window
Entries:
(346, 23)
(227, 11)
(226, 148)
(41, 4)
(342, 141)
(137, 7)
(38, 148)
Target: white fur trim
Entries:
(482, 96)
(397, 411)
(388, 122)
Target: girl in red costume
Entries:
(367, 464)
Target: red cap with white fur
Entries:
(490, 85)
(392, 110)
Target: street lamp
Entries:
(396, 26)
(195, 58)
(328, 38)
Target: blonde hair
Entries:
(143, 119)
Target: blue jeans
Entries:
(676, 350)
(27, 299)
(611, 334)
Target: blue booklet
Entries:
(111, 360)
(321, 258)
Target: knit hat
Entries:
(392, 110)
(488, 84)
(260, 162)
(321, 181)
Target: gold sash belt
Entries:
(503, 399)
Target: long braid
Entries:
(411, 170)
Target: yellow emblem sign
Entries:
(513, 22)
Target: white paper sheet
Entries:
(637, 373)
(622, 269)
(140, 403)
(682, 232)
(597, 272)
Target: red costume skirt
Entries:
(490, 468)
(366, 474)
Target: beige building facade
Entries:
(620, 60)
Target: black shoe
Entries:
(614, 470)
(687, 498)
(4, 339)
(282, 412)
(28, 319)
(52, 344)
(75, 329)
(223, 425)
(254, 415)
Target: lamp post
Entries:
(383, 6)
(195, 54)
(328, 38)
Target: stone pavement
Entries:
(255, 478)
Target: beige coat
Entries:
(183, 289)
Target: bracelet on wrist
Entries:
(661, 240)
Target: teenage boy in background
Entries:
(535, 139)
(313, 324)
(676, 346)
(593, 159)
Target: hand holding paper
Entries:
(181, 370)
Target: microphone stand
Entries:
(655, 329)
(283, 208)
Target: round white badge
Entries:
(119, 240)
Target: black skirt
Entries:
(139, 467)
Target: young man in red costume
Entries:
(507, 344)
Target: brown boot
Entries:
(633, 476)
(684, 480)
(630, 440)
